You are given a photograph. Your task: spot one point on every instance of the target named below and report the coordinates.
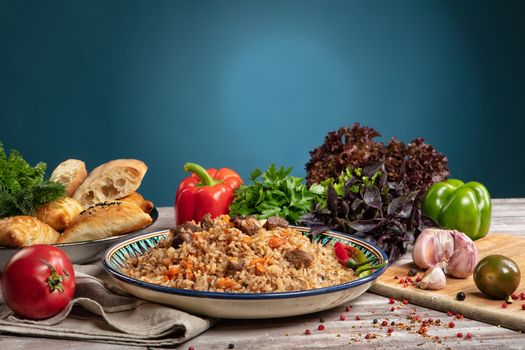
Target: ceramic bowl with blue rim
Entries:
(241, 305)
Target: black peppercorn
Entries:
(412, 272)
(231, 346)
(460, 296)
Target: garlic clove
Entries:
(433, 279)
(463, 262)
(433, 246)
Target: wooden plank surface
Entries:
(476, 305)
(508, 217)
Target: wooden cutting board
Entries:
(476, 305)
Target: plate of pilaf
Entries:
(244, 268)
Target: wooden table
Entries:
(508, 217)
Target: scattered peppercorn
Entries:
(342, 317)
(358, 318)
(418, 279)
(451, 325)
(401, 281)
(504, 305)
(522, 296)
(412, 272)
(469, 335)
(390, 330)
(405, 301)
(391, 300)
(459, 335)
(368, 336)
(307, 332)
(191, 348)
(231, 346)
(392, 309)
(450, 313)
(459, 316)
(523, 306)
(396, 277)
(515, 296)
(460, 296)
(430, 320)
(384, 323)
(347, 308)
(375, 319)
(320, 327)
(321, 320)
(392, 323)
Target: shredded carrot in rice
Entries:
(174, 271)
(275, 242)
(225, 283)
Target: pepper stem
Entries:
(203, 175)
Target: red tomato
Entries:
(38, 282)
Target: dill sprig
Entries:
(23, 187)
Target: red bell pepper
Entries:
(205, 192)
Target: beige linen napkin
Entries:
(102, 312)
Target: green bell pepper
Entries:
(455, 205)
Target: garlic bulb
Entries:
(434, 278)
(451, 250)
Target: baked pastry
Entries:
(105, 219)
(20, 231)
(59, 214)
(115, 179)
(71, 173)
(139, 201)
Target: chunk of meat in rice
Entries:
(299, 258)
(274, 222)
(183, 233)
(249, 225)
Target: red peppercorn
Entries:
(408, 279)
(320, 327)
(418, 279)
(430, 320)
(401, 280)
(307, 332)
(450, 313)
(384, 323)
(405, 301)
(390, 330)
(358, 318)
(191, 348)
(342, 317)
(451, 325)
(459, 335)
(368, 336)
(392, 309)
(469, 335)
(523, 306)
(391, 300)
(396, 277)
(348, 309)
(504, 305)
(522, 296)
(515, 296)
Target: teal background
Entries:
(244, 84)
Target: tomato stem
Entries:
(54, 281)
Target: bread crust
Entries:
(71, 173)
(112, 180)
(137, 199)
(60, 213)
(104, 220)
(22, 230)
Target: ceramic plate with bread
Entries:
(98, 206)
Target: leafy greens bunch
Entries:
(22, 187)
(365, 203)
(273, 193)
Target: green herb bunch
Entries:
(22, 187)
(273, 193)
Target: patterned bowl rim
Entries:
(372, 248)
